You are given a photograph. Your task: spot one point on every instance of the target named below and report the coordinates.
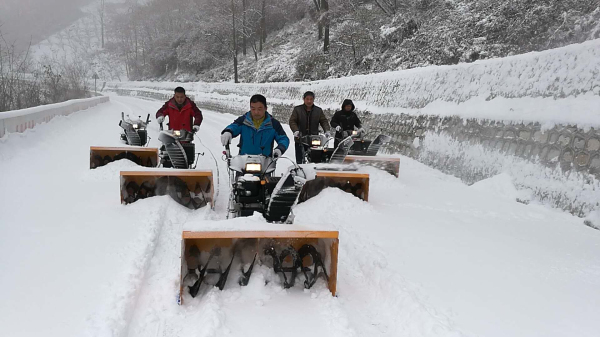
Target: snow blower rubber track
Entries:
(144, 156)
(209, 257)
(190, 188)
(352, 182)
(388, 164)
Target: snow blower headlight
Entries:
(316, 142)
(177, 133)
(354, 132)
(135, 126)
(253, 167)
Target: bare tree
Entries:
(263, 31)
(101, 15)
(244, 27)
(325, 8)
(318, 6)
(235, 50)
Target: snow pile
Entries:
(502, 185)
(593, 219)
(576, 192)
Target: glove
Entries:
(296, 134)
(160, 119)
(327, 134)
(277, 153)
(196, 128)
(338, 128)
(226, 138)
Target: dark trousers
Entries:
(299, 152)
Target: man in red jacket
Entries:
(180, 110)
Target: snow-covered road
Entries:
(426, 256)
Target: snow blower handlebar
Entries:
(227, 154)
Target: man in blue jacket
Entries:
(258, 131)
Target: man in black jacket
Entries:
(345, 120)
(305, 120)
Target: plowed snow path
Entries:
(427, 256)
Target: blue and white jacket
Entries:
(261, 141)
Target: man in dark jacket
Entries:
(180, 110)
(305, 120)
(258, 131)
(345, 120)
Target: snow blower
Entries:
(364, 152)
(331, 167)
(189, 187)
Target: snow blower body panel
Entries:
(143, 156)
(211, 258)
(191, 188)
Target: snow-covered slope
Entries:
(80, 42)
(426, 256)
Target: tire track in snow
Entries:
(157, 312)
(214, 312)
(114, 319)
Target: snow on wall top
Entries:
(549, 76)
(39, 108)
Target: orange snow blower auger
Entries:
(190, 188)
(352, 182)
(210, 258)
(144, 156)
(388, 164)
